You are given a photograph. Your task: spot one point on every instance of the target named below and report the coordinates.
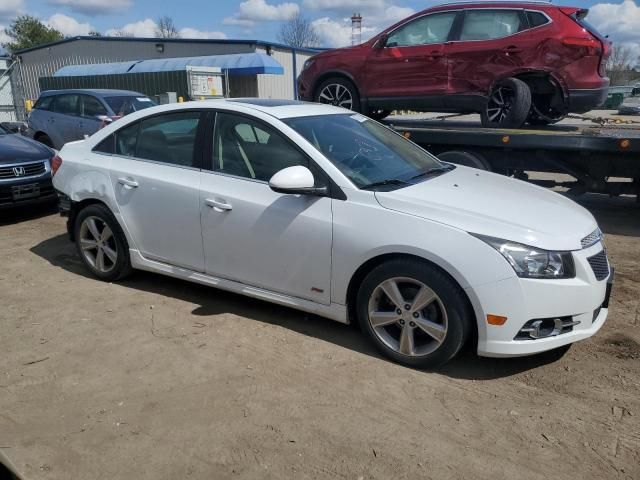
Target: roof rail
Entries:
(462, 2)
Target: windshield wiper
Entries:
(388, 181)
(433, 171)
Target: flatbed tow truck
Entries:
(602, 156)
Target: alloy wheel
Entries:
(336, 94)
(407, 316)
(98, 244)
(500, 104)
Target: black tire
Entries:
(378, 114)
(122, 266)
(44, 139)
(333, 87)
(459, 314)
(468, 159)
(514, 110)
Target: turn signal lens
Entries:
(55, 164)
(496, 319)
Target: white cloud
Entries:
(618, 20)
(345, 5)
(68, 26)
(9, 8)
(194, 33)
(4, 38)
(142, 28)
(252, 11)
(337, 32)
(91, 7)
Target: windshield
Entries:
(123, 105)
(365, 151)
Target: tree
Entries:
(166, 28)
(621, 60)
(95, 33)
(298, 32)
(27, 31)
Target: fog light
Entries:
(545, 328)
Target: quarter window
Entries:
(490, 24)
(250, 149)
(422, 31)
(536, 19)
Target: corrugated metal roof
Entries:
(235, 64)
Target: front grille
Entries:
(21, 171)
(599, 265)
(591, 239)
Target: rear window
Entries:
(579, 17)
(124, 105)
(490, 24)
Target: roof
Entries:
(96, 91)
(276, 108)
(235, 64)
(225, 41)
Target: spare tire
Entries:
(508, 104)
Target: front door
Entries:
(252, 234)
(412, 64)
(156, 178)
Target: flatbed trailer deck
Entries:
(601, 159)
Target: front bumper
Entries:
(582, 299)
(23, 191)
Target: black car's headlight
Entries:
(532, 262)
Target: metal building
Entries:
(45, 60)
(7, 106)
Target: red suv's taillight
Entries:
(56, 162)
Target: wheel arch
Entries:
(334, 73)
(77, 207)
(536, 79)
(363, 270)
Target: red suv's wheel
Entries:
(339, 92)
(508, 104)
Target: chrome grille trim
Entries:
(591, 239)
(30, 170)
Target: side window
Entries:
(67, 105)
(490, 24)
(536, 19)
(422, 31)
(251, 149)
(91, 107)
(44, 103)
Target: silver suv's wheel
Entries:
(101, 243)
(414, 312)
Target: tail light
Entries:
(593, 45)
(56, 162)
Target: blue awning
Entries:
(235, 64)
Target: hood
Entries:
(496, 206)
(15, 148)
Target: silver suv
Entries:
(61, 116)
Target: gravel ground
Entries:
(156, 378)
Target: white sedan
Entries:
(324, 210)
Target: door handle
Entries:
(218, 205)
(127, 182)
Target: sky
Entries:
(261, 19)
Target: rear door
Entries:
(412, 63)
(155, 173)
(492, 44)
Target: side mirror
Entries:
(296, 180)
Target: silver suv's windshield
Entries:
(368, 153)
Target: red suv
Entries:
(511, 62)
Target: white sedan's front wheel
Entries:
(414, 313)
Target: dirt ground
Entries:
(156, 378)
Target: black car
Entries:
(25, 171)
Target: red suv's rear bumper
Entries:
(583, 100)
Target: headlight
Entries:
(307, 64)
(531, 262)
